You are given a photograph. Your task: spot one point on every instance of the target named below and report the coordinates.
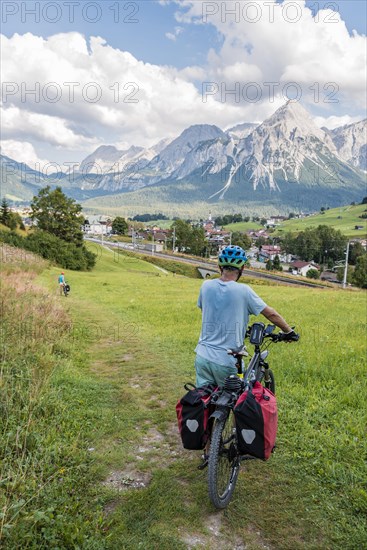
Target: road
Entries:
(207, 265)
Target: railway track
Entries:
(210, 267)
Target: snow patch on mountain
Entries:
(280, 146)
(174, 155)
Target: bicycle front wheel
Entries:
(224, 461)
(270, 383)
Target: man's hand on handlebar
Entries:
(288, 336)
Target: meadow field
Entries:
(344, 219)
(91, 456)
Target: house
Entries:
(258, 233)
(301, 268)
(160, 237)
(98, 225)
(268, 252)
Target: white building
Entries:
(98, 225)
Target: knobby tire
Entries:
(224, 462)
(260, 377)
(270, 385)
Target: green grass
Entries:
(243, 226)
(113, 386)
(344, 219)
(163, 224)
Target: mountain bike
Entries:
(224, 457)
(66, 289)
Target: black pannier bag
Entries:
(193, 411)
(256, 422)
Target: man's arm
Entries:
(274, 317)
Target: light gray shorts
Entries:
(208, 372)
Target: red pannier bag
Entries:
(256, 422)
(193, 411)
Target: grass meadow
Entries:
(344, 219)
(91, 456)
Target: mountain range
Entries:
(286, 160)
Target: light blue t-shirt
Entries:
(226, 307)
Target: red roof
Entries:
(270, 248)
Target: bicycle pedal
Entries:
(204, 463)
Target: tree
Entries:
(189, 239)
(260, 241)
(355, 250)
(17, 220)
(364, 200)
(276, 263)
(320, 244)
(359, 277)
(241, 239)
(58, 214)
(307, 245)
(332, 243)
(340, 274)
(288, 243)
(198, 242)
(9, 218)
(12, 221)
(120, 226)
(269, 265)
(4, 212)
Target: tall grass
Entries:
(42, 448)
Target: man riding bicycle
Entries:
(226, 306)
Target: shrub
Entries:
(313, 274)
(50, 247)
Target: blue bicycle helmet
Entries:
(232, 256)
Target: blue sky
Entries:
(163, 54)
(140, 26)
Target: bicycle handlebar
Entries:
(291, 336)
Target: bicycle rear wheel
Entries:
(224, 461)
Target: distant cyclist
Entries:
(61, 282)
(226, 306)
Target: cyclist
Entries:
(226, 306)
(61, 282)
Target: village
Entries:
(262, 244)
(263, 250)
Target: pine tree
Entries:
(4, 212)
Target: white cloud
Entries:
(22, 151)
(335, 121)
(265, 41)
(76, 94)
(22, 123)
(174, 35)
